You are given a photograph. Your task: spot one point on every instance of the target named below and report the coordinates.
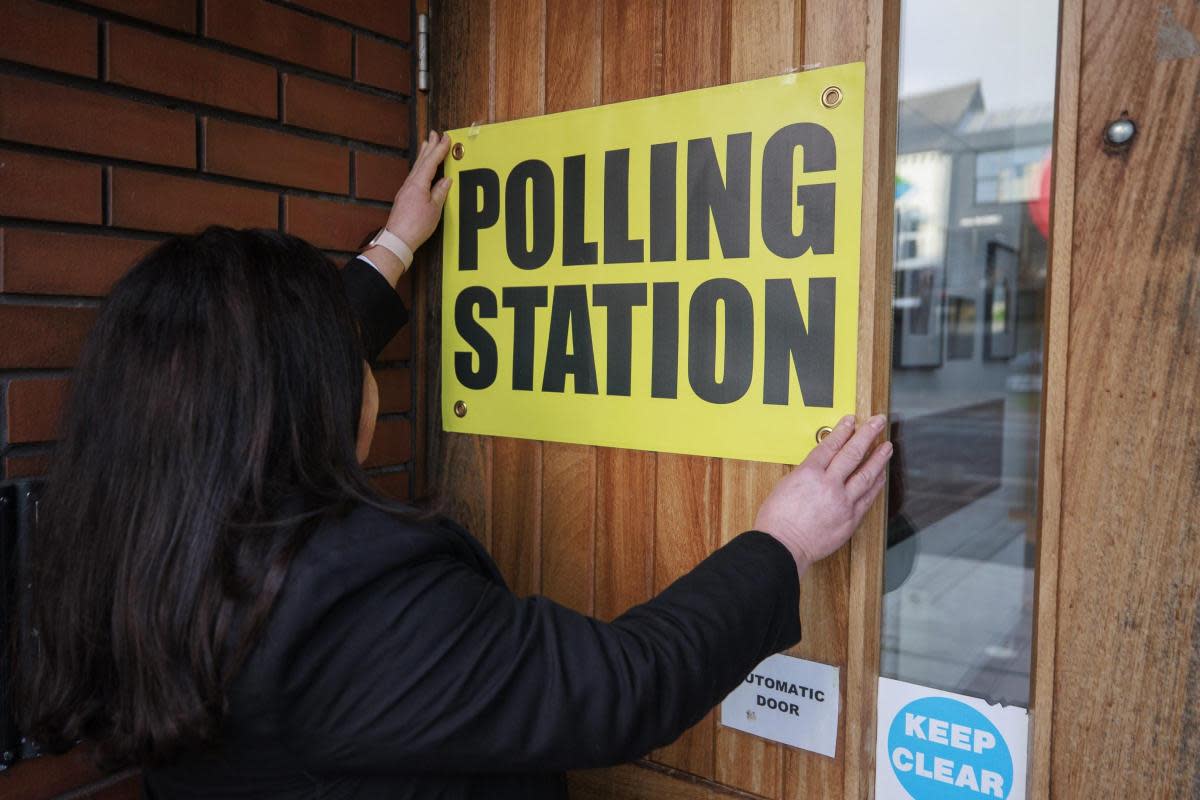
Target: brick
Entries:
(38, 187)
(395, 389)
(392, 443)
(378, 177)
(279, 32)
(395, 485)
(168, 66)
(336, 226)
(48, 36)
(321, 106)
(45, 262)
(30, 466)
(87, 122)
(400, 347)
(153, 202)
(387, 17)
(383, 65)
(274, 157)
(178, 14)
(34, 409)
(42, 337)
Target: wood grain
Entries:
(625, 479)
(868, 31)
(761, 42)
(617, 525)
(643, 782)
(518, 91)
(426, 264)
(461, 62)
(568, 525)
(572, 80)
(1127, 683)
(1054, 397)
(688, 501)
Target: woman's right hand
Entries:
(818, 505)
(417, 208)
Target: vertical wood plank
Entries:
(518, 91)
(687, 514)
(644, 782)
(761, 43)
(1127, 663)
(568, 525)
(1054, 401)
(572, 80)
(460, 464)
(742, 760)
(632, 36)
(426, 262)
(835, 33)
(688, 502)
(839, 32)
(624, 530)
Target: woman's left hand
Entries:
(418, 205)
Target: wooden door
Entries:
(602, 529)
(1114, 684)
(1117, 692)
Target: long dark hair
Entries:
(212, 422)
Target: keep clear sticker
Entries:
(787, 700)
(935, 745)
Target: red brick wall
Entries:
(122, 121)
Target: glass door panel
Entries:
(975, 122)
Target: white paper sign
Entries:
(787, 700)
(935, 745)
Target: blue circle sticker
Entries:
(943, 749)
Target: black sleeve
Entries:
(381, 312)
(433, 667)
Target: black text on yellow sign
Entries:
(678, 273)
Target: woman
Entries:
(221, 597)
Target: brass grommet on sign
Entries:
(831, 97)
(460, 409)
(822, 432)
(457, 151)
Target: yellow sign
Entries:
(678, 273)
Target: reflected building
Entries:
(971, 205)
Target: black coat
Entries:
(396, 663)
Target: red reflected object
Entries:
(1039, 207)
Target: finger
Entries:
(435, 154)
(854, 451)
(866, 475)
(824, 452)
(423, 151)
(863, 503)
(441, 190)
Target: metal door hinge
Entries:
(423, 52)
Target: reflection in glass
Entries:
(972, 210)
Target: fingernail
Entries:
(846, 420)
(876, 421)
(887, 448)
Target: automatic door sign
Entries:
(787, 700)
(678, 273)
(935, 745)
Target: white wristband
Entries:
(390, 241)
